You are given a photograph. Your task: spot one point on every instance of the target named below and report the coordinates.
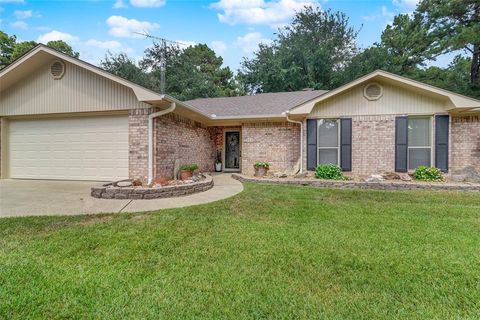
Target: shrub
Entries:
(260, 164)
(329, 171)
(189, 167)
(424, 173)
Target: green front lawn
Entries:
(270, 252)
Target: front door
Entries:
(232, 150)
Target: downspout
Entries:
(286, 113)
(150, 138)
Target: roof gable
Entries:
(453, 100)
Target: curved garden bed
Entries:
(170, 191)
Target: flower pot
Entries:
(218, 167)
(260, 172)
(186, 174)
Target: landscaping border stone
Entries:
(146, 193)
(384, 185)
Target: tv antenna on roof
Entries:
(163, 61)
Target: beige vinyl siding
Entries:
(395, 100)
(79, 90)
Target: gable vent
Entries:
(373, 91)
(57, 69)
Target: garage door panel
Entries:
(90, 148)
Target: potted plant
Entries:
(218, 162)
(186, 171)
(261, 168)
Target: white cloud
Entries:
(219, 47)
(119, 4)
(23, 14)
(271, 12)
(186, 43)
(147, 3)
(249, 42)
(384, 13)
(19, 25)
(126, 28)
(109, 45)
(406, 5)
(56, 35)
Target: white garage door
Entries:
(81, 148)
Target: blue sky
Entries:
(233, 28)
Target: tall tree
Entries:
(193, 72)
(307, 53)
(63, 47)
(408, 44)
(21, 48)
(11, 50)
(123, 66)
(457, 24)
(7, 45)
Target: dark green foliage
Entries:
(329, 172)
(63, 47)
(261, 164)
(189, 167)
(424, 173)
(193, 72)
(308, 53)
(10, 49)
(122, 66)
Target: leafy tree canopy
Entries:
(308, 53)
(11, 50)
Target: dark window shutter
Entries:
(346, 144)
(311, 144)
(401, 144)
(441, 142)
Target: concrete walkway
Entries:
(43, 197)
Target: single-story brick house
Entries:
(62, 118)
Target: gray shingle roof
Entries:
(256, 105)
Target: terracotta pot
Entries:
(260, 172)
(186, 174)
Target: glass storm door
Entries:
(232, 150)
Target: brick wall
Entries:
(373, 144)
(188, 141)
(138, 142)
(465, 142)
(276, 143)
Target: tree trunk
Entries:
(475, 67)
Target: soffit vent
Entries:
(57, 69)
(373, 91)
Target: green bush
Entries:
(260, 164)
(329, 171)
(424, 173)
(189, 167)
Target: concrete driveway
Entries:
(45, 197)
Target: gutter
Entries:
(172, 107)
(286, 113)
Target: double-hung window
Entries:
(328, 141)
(419, 142)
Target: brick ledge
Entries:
(387, 185)
(152, 193)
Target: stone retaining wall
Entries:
(387, 185)
(151, 193)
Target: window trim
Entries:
(338, 147)
(432, 141)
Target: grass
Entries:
(270, 252)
